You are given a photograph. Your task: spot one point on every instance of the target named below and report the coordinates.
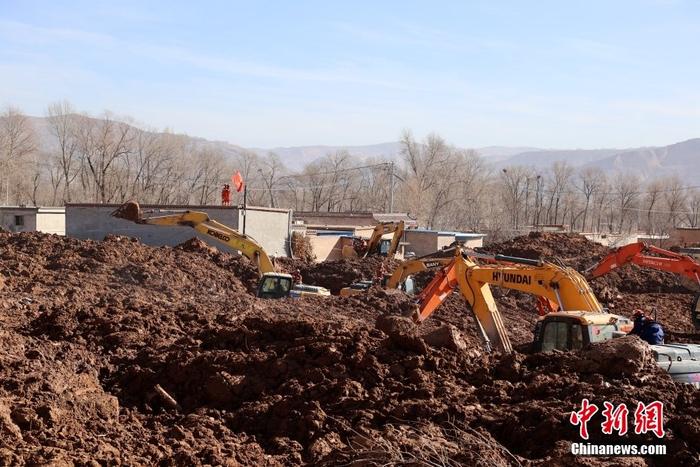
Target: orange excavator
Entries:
(650, 256)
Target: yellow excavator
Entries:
(272, 284)
(572, 320)
(563, 293)
(376, 245)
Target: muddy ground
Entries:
(117, 353)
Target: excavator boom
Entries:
(561, 286)
(637, 253)
(408, 268)
(201, 222)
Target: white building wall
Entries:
(270, 227)
(51, 220)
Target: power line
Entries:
(350, 169)
(646, 192)
(657, 211)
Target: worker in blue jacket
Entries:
(647, 328)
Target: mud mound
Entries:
(580, 253)
(121, 353)
(529, 396)
(301, 247)
(334, 275)
(635, 279)
(240, 266)
(573, 249)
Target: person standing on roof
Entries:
(226, 195)
(647, 328)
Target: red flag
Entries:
(238, 182)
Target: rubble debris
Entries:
(319, 381)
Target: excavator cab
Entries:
(384, 246)
(275, 285)
(574, 330)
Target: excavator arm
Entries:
(415, 266)
(201, 222)
(398, 235)
(478, 295)
(637, 253)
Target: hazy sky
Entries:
(256, 73)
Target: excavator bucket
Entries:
(129, 211)
(689, 284)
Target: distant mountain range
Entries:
(682, 159)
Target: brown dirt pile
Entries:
(301, 247)
(580, 253)
(334, 275)
(89, 330)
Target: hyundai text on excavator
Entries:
(559, 288)
(650, 256)
(376, 245)
(272, 284)
(573, 320)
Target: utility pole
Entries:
(391, 197)
(245, 205)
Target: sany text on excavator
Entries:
(272, 284)
(375, 245)
(578, 319)
(650, 256)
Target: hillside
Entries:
(679, 158)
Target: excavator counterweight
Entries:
(130, 211)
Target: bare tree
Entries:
(693, 214)
(513, 181)
(674, 195)
(62, 120)
(426, 164)
(652, 196)
(271, 170)
(590, 182)
(17, 141)
(627, 193)
(103, 144)
(559, 178)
